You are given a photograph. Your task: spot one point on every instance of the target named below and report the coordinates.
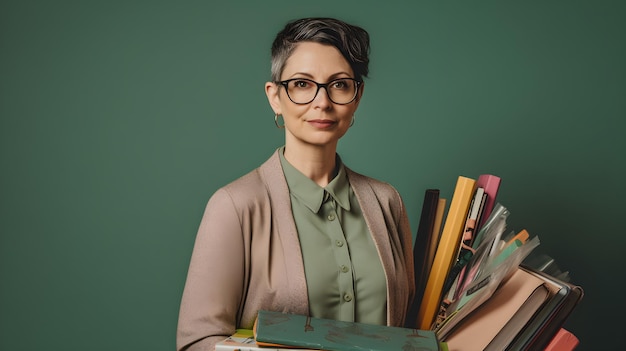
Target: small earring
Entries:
(352, 122)
(279, 126)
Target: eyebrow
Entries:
(333, 76)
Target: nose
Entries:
(322, 100)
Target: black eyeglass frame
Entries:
(285, 84)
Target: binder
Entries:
(422, 248)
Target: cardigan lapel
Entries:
(375, 221)
(284, 226)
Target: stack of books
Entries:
(474, 286)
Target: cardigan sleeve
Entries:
(407, 247)
(215, 279)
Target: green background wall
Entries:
(120, 118)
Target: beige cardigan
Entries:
(247, 255)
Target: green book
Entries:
(276, 328)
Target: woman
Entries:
(302, 233)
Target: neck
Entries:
(315, 162)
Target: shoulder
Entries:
(251, 187)
(376, 196)
(246, 189)
(380, 188)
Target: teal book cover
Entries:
(326, 334)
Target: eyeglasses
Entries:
(340, 91)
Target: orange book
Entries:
(564, 340)
(522, 236)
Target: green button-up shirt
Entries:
(344, 275)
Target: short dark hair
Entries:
(352, 41)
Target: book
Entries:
(491, 184)
(524, 313)
(551, 317)
(243, 340)
(422, 248)
(446, 250)
(564, 340)
(277, 328)
(501, 316)
(520, 319)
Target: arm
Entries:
(214, 287)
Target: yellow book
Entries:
(446, 251)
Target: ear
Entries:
(361, 89)
(272, 91)
(360, 94)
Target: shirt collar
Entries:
(313, 195)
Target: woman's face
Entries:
(320, 122)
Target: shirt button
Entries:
(339, 243)
(344, 268)
(347, 297)
(331, 217)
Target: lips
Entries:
(322, 123)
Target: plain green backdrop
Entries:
(119, 119)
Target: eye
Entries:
(340, 84)
(300, 84)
